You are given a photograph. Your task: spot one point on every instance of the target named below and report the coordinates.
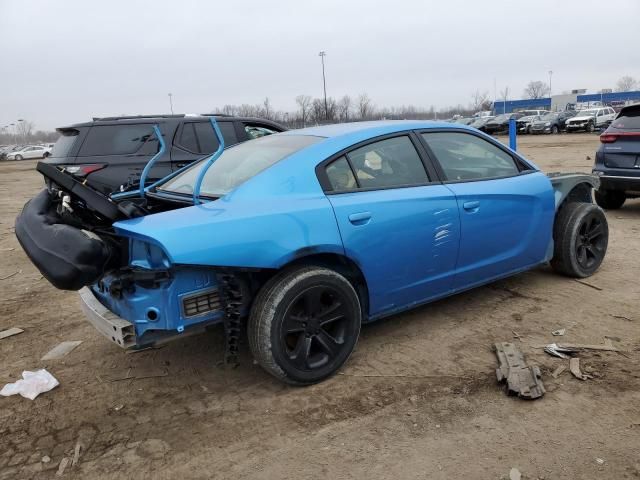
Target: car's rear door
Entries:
(506, 208)
(396, 221)
(196, 139)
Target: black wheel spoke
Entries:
(312, 301)
(300, 354)
(331, 314)
(329, 344)
(595, 232)
(593, 251)
(582, 255)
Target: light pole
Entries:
(24, 134)
(170, 102)
(324, 85)
(15, 140)
(550, 74)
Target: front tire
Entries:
(304, 324)
(555, 130)
(590, 128)
(581, 236)
(18, 157)
(610, 199)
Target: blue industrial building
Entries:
(546, 103)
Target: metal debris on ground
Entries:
(595, 287)
(577, 346)
(516, 335)
(514, 474)
(61, 350)
(556, 350)
(574, 366)
(76, 454)
(559, 333)
(141, 373)
(10, 332)
(558, 371)
(521, 379)
(10, 275)
(62, 466)
(46, 459)
(599, 461)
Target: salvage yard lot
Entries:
(418, 399)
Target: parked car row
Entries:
(24, 152)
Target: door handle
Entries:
(180, 165)
(361, 218)
(471, 206)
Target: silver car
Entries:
(34, 151)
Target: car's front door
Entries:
(506, 207)
(400, 226)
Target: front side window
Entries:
(257, 131)
(466, 157)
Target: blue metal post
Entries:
(512, 134)
(147, 167)
(209, 162)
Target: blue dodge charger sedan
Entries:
(305, 235)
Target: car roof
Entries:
(634, 109)
(140, 119)
(372, 128)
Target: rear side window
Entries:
(340, 175)
(115, 139)
(466, 157)
(199, 137)
(65, 142)
(627, 122)
(393, 162)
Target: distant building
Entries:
(563, 102)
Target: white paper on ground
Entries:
(31, 385)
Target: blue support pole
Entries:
(512, 134)
(209, 162)
(147, 167)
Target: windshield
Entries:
(502, 118)
(549, 116)
(587, 113)
(238, 164)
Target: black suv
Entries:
(618, 160)
(111, 152)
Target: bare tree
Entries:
(364, 106)
(24, 129)
(344, 107)
(267, 110)
(536, 89)
(317, 110)
(304, 104)
(479, 100)
(626, 84)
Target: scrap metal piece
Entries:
(559, 333)
(61, 350)
(559, 351)
(521, 379)
(558, 371)
(574, 367)
(10, 332)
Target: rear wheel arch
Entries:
(343, 265)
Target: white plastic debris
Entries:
(31, 385)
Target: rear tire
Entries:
(610, 199)
(581, 236)
(304, 324)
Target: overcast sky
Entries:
(64, 61)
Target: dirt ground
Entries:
(418, 399)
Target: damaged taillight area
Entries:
(85, 169)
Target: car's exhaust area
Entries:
(67, 256)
